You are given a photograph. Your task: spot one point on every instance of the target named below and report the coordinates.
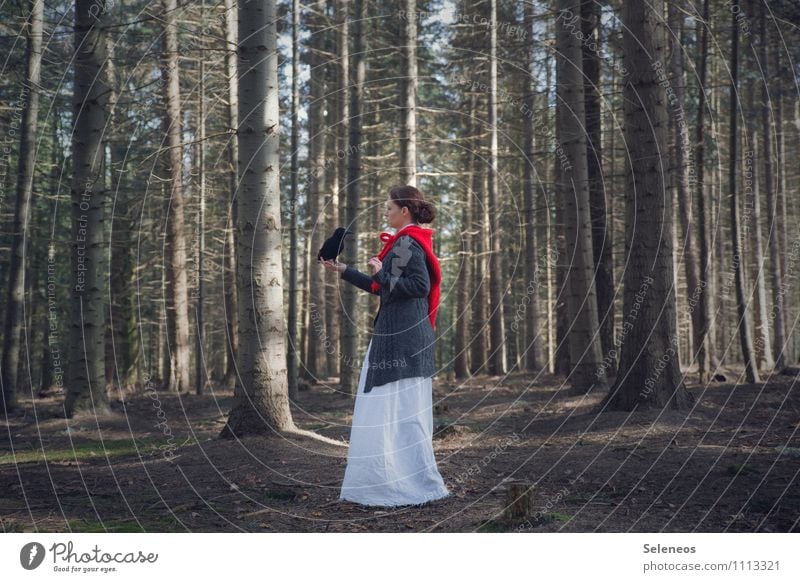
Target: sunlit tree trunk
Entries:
(497, 349)
(745, 328)
(232, 151)
(773, 241)
(704, 346)
(317, 334)
(294, 250)
(683, 180)
(408, 143)
(177, 279)
(261, 393)
(534, 274)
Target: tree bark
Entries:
(200, 375)
(533, 271)
(261, 393)
(783, 235)
(745, 330)
(294, 250)
(122, 347)
(601, 240)
(684, 171)
(649, 372)
(177, 280)
(704, 347)
(15, 297)
(751, 183)
(86, 384)
(354, 113)
(333, 211)
(464, 285)
(497, 357)
(229, 275)
(317, 334)
(476, 232)
(588, 371)
(773, 242)
(408, 143)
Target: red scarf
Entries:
(424, 237)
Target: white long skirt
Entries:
(390, 460)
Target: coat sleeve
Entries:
(406, 279)
(359, 279)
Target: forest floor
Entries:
(729, 465)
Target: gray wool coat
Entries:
(403, 339)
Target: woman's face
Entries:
(395, 216)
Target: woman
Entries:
(390, 460)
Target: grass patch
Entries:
(504, 526)
(89, 451)
(124, 526)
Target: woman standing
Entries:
(390, 460)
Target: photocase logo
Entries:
(31, 555)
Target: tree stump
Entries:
(518, 500)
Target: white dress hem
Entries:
(390, 460)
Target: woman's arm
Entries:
(406, 278)
(359, 279)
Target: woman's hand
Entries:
(333, 265)
(376, 264)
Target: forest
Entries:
(616, 342)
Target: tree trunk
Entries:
(294, 250)
(353, 115)
(86, 385)
(15, 297)
(317, 362)
(177, 283)
(477, 230)
(121, 335)
(588, 370)
(408, 143)
(333, 213)
(533, 271)
(745, 331)
(562, 364)
(783, 231)
(261, 393)
(649, 372)
(684, 171)
(601, 240)
(229, 273)
(464, 285)
(773, 242)
(751, 183)
(497, 357)
(200, 355)
(550, 167)
(704, 347)
(50, 354)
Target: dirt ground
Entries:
(729, 465)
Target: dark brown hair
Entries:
(421, 210)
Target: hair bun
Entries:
(427, 212)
